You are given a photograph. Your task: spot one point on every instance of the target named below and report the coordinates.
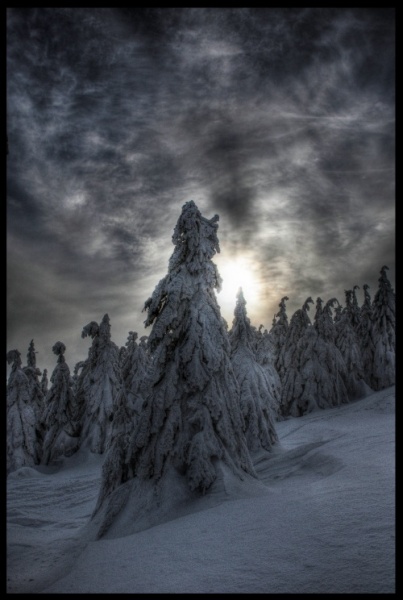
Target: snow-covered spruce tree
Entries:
(322, 370)
(134, 369)
(144, 348)
(122, 355)
(189, 433)
(264, 355)
(259, 398)
(338, 311)
(33, 374)
(364, 336)
(37, 397)
(61, 418)
(355, 311)
(45, 383)
(278, 334)
(348, 344)
(383, 334)
(290, 359)
(263, 345)
(134, 363)
(323, 319)
(366, 308)
(129, 400)
(22, 440)
(76, 374)
(97, 386)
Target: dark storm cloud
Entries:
(279, 120)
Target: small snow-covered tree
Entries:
(134, 368)
(355, 311)
(259, 337)
(122, 355)
(366, 308)
(45, 383)
(338, 311)
(265, 357)
(98, 385)
(319, 310)
(23, 447)
(321, 367)
(263, 346)
(129, 400)
(260, 397)
(143, 345)
(278, 334)
(190, 428)
(348, 344)
(383, 334)
(61, 418)
(290, 359)
(78, 367)
(134, 363)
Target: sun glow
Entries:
(237, 273)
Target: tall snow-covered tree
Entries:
(23, 446)
(365, 337)
(290, 359)
(348, 344)
(383, 334)
(36, 394)
(190, 429)
(260, 396)
(37, 398)
(98, 385)
(61, 417)
(321, 367)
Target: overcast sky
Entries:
(281, 121)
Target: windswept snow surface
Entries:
(322, 520)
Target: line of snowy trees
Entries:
(195, 399)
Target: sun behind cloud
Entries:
(238, 272)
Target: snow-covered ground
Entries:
(321, 520)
